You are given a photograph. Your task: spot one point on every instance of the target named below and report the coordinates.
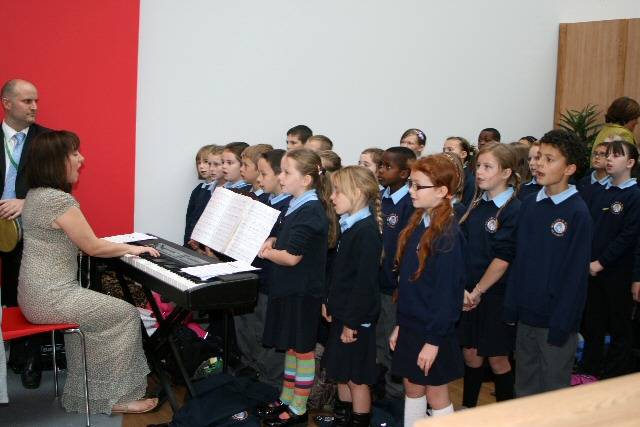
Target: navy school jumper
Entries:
(354, 296)
(302, 232)
(490, 236)
(469, 187)
(588, 186)
(198, 200)
(547, 285)
(616, 218)
(529, 188)
(395, 214)
(431, 305)
(281, 203)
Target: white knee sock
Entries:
(444, 411)
(414, 409)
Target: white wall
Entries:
(358, 71)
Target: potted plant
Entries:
(584, 125)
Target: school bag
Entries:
(224, 401)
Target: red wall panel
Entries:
(83, 58)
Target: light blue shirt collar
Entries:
(209, 185)
(380, 187)
(500, 199)
(259, 192)
(296, 202)
(602, 181)
(273, 199)
(426, 219)
(628, 183)
(395, 197)
(532, 182)
(557, 198)
(236, 184)
(347, 221)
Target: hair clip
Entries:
(420, 134)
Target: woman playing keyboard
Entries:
(48, 292)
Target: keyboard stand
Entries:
(162, 337)
(225, 293)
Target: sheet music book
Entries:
(235, 225)
(206, 272)
(129, 238)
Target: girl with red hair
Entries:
(430, 263)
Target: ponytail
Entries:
(309, 163)
(323, 186)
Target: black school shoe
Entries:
(269, 409)
(32, 373)
(294, 419)
(341, 415)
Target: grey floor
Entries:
(40, 408)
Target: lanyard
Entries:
(11, 159)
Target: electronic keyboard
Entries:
(163, 275)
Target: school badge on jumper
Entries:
(559, 227)
(392, 220)
(491, 225)
(617, 207)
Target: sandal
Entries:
(126, 408)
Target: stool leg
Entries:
(84, 369)
(55, 363)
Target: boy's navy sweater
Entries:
(197, 202)
(354, 295)
(395, 217)
(302, 232)
(616, 221)
(431, 305)
(469, 187)
(547, 285)
(265, 265)
(528, 189)
(587, 189)
(486, 242)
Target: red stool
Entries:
(15, 325)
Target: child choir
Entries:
(426, 268)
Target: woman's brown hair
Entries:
(47, 159)
(622, 110)
(308, 163)
(443, 172)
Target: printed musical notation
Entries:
(235, 225)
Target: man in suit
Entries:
(19, 128)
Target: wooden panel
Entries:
(591, 64)
(632, 65)
(613, 402)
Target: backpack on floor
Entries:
(224, 401)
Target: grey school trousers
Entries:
(541, 366)
(386, 323)
(267, 361)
